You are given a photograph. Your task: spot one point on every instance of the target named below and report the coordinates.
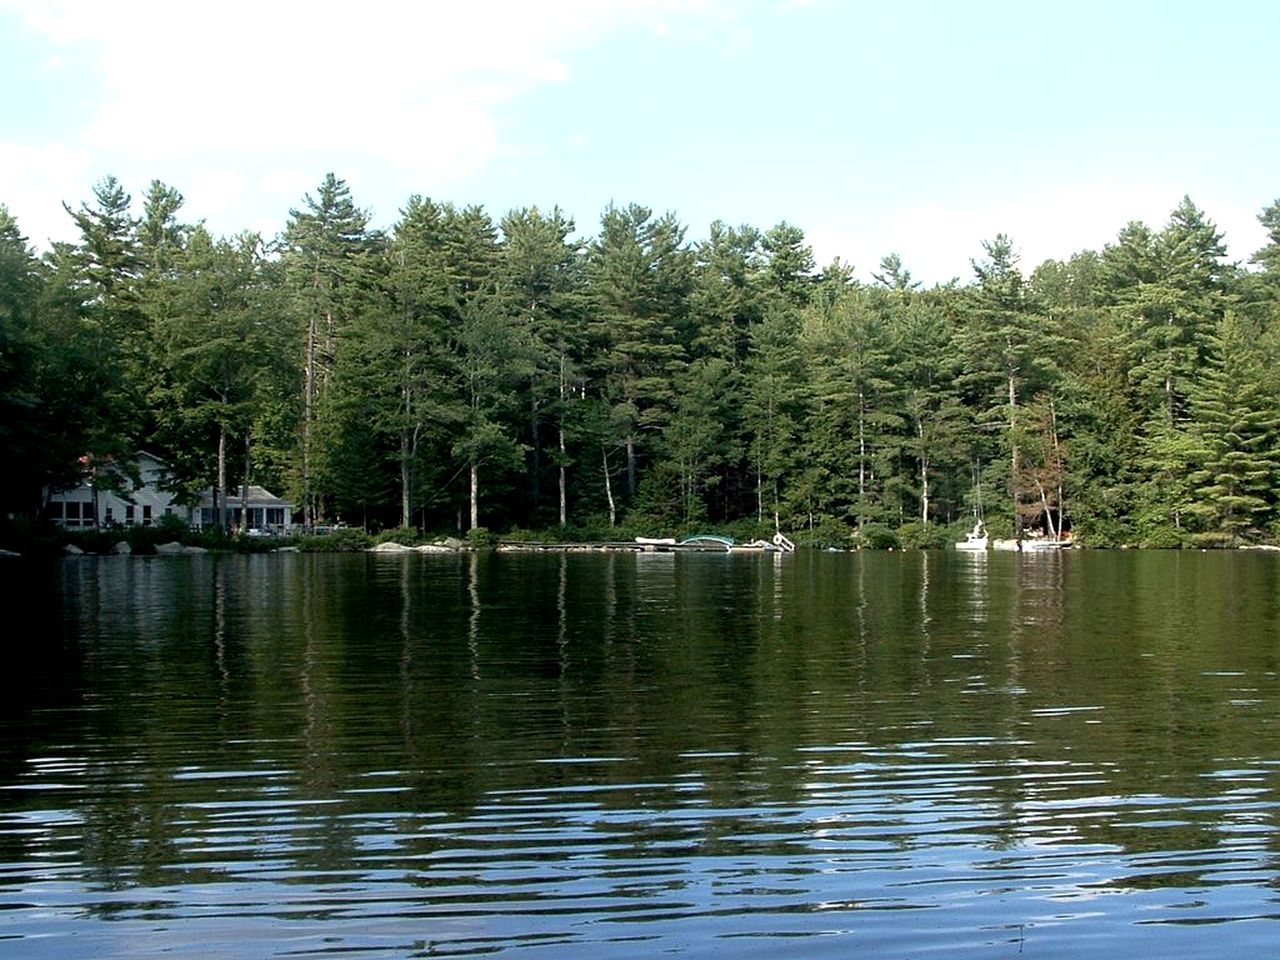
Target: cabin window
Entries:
(146, 514)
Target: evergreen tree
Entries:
(926, 366)
(161, 237)
(1008, 353)
(854, 409)
(789, 263)
(404, 358)
(1237, 419)
(489, 354)
(894, 276)
(541, 280)
(697, 439)
(638, 274)
(23, 428)
(327, 250)
(1168, 289)
(1268, 258)
(219, 353)
(773, 404)
(1093, 405)
(729, 292)
(108, 255)
(107, 265)
(453, 367)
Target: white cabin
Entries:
(125, 494)
(136, 493)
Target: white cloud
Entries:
(937, 241)
(36, 181)
(194, 93)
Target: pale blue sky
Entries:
(916, 128)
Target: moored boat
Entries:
(976, 539)
(1042, 544)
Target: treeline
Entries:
(458, 373)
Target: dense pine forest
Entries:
(457, 373)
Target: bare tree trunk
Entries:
(564, 497)
(535, 433)
(408, 432)
(563, 481)
(475, 495)
(924, 491)
(862, 460)
(406, 447)
(244, 486)
(308, 418)
(1013, 454)
(1058, 466)
(608, 488)
(1048, 512)
(405, 479)
(220, 493)
(631, 467)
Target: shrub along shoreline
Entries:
(48, 540)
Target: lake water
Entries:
(580, 756)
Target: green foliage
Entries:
(480, 538)
(1103, 533)
(596, 528)
(521, 535)
(407, 536)
(746, 530)
(853, 414)
(826, 533)
(30, 538)
(1157, 534)
(877, 536)
(328, 260)
(919, 536)
(638, 274)
(457, 371)
(1214, 540)
(342, 540)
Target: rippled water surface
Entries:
(879, 755)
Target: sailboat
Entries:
(975, 539)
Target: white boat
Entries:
(1042, 544)
(976, 539)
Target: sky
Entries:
(916, 128)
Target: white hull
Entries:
(975, 539)
(1042, 546)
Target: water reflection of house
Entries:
(136, 492)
